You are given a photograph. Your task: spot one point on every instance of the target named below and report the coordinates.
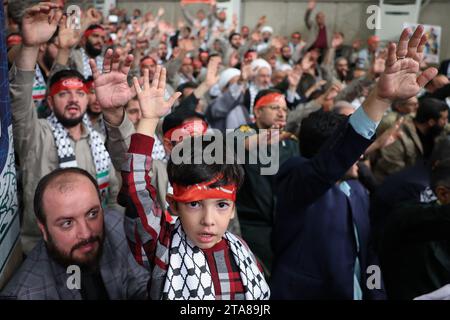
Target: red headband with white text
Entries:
(67, 84)
(271, 98)
(201, 191)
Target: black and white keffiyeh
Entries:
(188, 275)
(87, 72)
(66, 153)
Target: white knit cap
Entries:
(260, 63)
(227, 75)
(267, 29)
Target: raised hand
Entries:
(294, 78)
(151, 97)
(111, 87)
(67, 37)
(402, 78)
(337, 41)
(39, 23)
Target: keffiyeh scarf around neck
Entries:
(189, 278)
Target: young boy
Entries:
(195, 258)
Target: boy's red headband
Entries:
(270, 98)
(201, 191)
(189, 128)
(67, 84)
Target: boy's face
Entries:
(205, 221)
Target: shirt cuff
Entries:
(362, 124)
(141, 144)
(291, 96)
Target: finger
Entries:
(107, 61)
(62, 22)
(162, 79)
(173, 98)
(146, 79)
(95, 72)
(116, 60)
(414, 41)
(137, 86)
(426, 76)
(127, 64)
(392, 55)
(155, 81)
(402, 47)
(421, 46)
(57, 17)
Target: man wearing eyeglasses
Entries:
(256, 198)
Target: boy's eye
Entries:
(194, 204)
(223, 205)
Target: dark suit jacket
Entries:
(314, 242)
(41, 278)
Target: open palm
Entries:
(151, 97)
(111, 87)
(39, 23)
(402, 78)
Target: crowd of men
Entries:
(359, 208)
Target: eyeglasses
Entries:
(278, 108)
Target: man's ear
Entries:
(257, 112)
(167, 146)
(50, 102)
(43, 230)
(172, 205)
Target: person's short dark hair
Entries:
(48, 179)
(440, 175)
(441, 150)
(190, 174)
(232, 35)
(430, 108)
(265, 92)
(248, 52)
(179, 115)
(187, 85)
(316, 129)
(65, 74)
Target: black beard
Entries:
(68, 123)
(286, 59)
(92, 113)
(91, 51)
(66, 260)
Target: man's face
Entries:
(274, 114)
(245, 31)
(409, 106)
(187, 68)
(262, 79)
(150, 65)
(236, 41)
(201, 15)
(69, 106)
(320, 18)
(295, 38)
(73, 229)
(205, 221)
(342, 66)
(133, 112)
(286, 52)
(249, 57)
(95, 43)
(162, 51)
(266, 36)
(278, 77)
(443, 120)
(222, 16)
